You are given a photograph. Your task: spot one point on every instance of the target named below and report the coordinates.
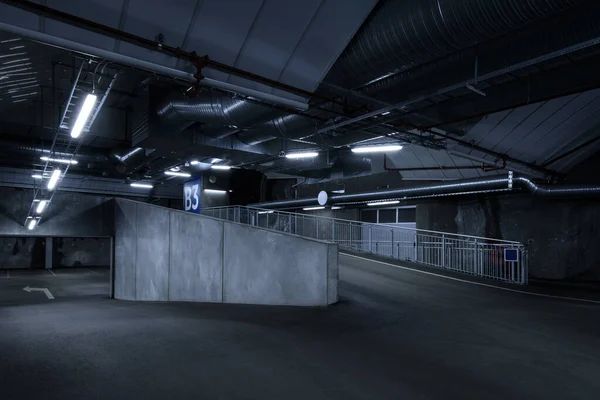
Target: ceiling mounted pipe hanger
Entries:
(199, 61)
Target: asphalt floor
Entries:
(395, 334)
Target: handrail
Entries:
(270, 211)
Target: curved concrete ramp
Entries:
(168, 255)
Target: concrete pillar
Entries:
(48, 253)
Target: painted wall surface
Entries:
(561, 235)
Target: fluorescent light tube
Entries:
(84, 114)
(336, 208)
(313, 208)
(142, 185)
(32, 224)
(37, 176)
(216, 191)
(266, 212)
(59, 160)
(41, 206)
(53, 179)
(221, 167)
(376, 149)
(295, 156)
(386, 113)
(182, 174)
(194, 162)
(383, 203)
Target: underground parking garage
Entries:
(299, 199)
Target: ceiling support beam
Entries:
(148, 66)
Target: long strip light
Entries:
(32, 224)
(221, 167)
(266, 212)
(53, 179)
(215, 191)
(181, 174)
(383, 203)
(84, 114)
(41, 206)
(141, 185)
(376, 149)
(295, 156)
(37, 176)
(313, 208)
(59, 160)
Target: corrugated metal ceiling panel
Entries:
(538, 132)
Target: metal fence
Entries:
(490, 258)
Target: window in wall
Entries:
(387, 216)
(368, 216)
(407, 214)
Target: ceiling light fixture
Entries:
(10, 40)
(59, 160)
(14, 66)
(84, 114)
(53, 179)
(313, 208)
(376, 149)
(37, 176)
(386, 113)
(383, 203)
(266, 212)
(16, 61)
(41, 206)
(221, 167)
(215, 191)
(194, 162)
(17, 47)
(13, 55)
(141, 185)
(337, 207)
(23, 95)
(295, 156)
(32, 224)
(181, 174)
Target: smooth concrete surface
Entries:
(265, 267)
(152, 254)
(195, 259)
(170, 255)
(395, 334)
(125, 250)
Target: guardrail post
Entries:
(443, 251)
(333, 231)
(351, 235)
(317, 233)
(371, 239)
(392, 245)
(475, 259)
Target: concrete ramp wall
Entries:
(168, 255)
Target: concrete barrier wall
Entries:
(168, 255)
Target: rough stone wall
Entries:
(561, 235)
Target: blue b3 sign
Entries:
(191, 196)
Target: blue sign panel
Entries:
(191, 196)
(511, 255)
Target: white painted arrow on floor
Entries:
(34, 289)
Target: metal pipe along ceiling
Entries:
(221, 115)
(401, 34)
(449, 188)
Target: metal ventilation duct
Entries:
(448, 188)
(220, 114)
(401, 34)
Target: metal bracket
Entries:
(200, 63)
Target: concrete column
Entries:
(48, 253)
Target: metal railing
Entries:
(490, 258)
